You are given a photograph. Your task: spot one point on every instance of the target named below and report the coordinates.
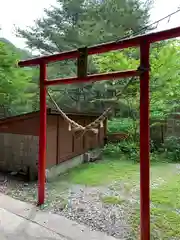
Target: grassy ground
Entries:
(165, 210)
(165, 191)
(103, 172)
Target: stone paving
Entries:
(23, 221)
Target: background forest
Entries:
(76, 23)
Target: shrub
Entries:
(111, 149)
(172, 148)
(124, 125)
(169, 151)
(130, 150)
(120, 125)
(127, 148)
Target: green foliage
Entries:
(165, 77)
(112, 200)
(128, 148)
(14, 82)
(22, 53)
(75, 23)
(116, 61)
(113, 61)
(131, 150)
(124, 125)
(169, 152)
(172, 148)
(112, 150)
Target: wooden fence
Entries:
(18, 153)
(164, 129)
(116, 137)
(159, 131)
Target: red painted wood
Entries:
(121, 44)
(42, 137)
(144, 142)
(94, 77)
(144, 41)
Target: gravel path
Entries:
(85, 206)
(82, 204)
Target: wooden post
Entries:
(42, 136)
(144, 141)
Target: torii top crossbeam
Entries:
(143, 42)
(121, 44)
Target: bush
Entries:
(172, 148)
(124, 125)
(130, 150)
(111, 149)
(127, 148)
(169, 151)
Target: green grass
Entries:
(165, 224)
(165, 199)
(102, 172)
(112, 200)
(165, 215)
(165, 193)
(168, 194)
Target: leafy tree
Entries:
(165, 77)
(15, 83)
(77, 23)
(22, 53)
(119, 61)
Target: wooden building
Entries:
(19, 140)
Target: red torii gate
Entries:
(143, 42)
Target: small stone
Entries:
(61, 208)
(13, 173)
(80, 209)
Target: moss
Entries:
(112, 200)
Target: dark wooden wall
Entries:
(61, 143)
(67, 145)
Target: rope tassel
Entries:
(69, 127)
(93, 125)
